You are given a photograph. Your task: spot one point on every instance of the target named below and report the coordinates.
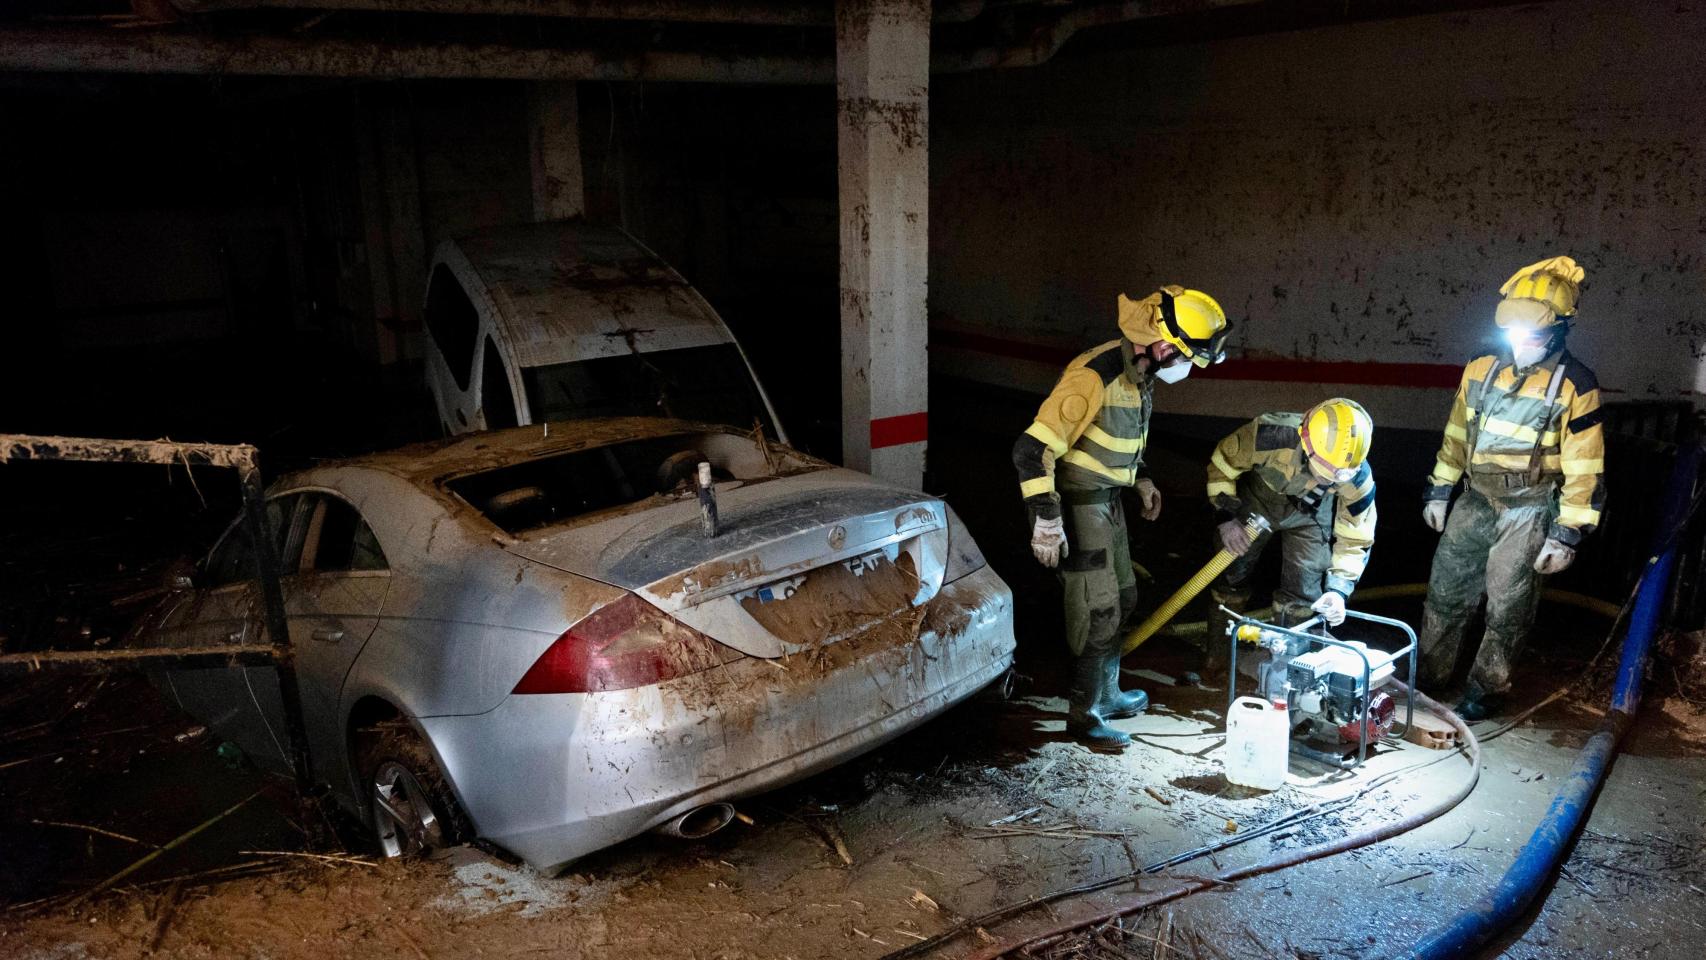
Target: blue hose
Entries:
(1540, 856)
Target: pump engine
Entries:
(1335, 704)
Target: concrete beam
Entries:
(54, 49)
(882, 61)
(785, 13)
(775, 13)
(554, 146)
(64, 49)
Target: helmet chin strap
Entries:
(1171, 370)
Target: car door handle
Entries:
(330, 636)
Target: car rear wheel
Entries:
(410, 806)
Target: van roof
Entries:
(571, 290)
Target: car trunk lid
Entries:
(798, 562)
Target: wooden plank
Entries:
(136, 658)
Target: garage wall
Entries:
(1353, 195)
(237, 259)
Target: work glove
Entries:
(1331, 607)
(1233, 537)
(1433, 512)
(1150, 497)
(1048, 541)
(1554, 557)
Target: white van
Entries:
(567, 319)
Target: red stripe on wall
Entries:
(996, 346)
(894, 431)
(1435, 375)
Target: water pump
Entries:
(1331, 687)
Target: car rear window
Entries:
(711, 384)
(538, 493)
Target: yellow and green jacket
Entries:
(1271, 448)
(1521, 441)
(1090, 433)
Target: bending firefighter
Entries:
(1308, 476)
(1525, 434)
(1084, 448)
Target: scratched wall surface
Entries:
(1351, 194)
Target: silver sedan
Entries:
(531, 637)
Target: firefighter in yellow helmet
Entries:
(1525, 436)
(1308, 476)
(1084, 448)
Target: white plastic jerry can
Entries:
(1258, 743)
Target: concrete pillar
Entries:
(882, 84)
(554, 143)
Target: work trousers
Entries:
(1100, 594)
(1488, 547)
(1306, 555)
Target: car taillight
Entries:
(619, 646)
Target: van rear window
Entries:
(710, 384)
(538, 493)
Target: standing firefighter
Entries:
(1308, 476)
(1084, 448)
(1526, 430)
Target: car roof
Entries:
(429, 464)
(570, 290)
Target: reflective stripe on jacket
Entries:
(1517, 432)
(1089, 434)
(1270, 448)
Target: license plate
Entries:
(783, 589)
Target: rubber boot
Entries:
(1212, 666)
(1115, 704)
(1084, 717)
(1477, 703)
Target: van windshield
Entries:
(710, 384)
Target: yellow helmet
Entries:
(1336, 436)
(1539, 294)
(1193, 322)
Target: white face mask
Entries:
(1525, 349)
(1528, 356)
(1174, 373)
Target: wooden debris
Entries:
(1043, 772)
(322, 857)
(167, 910)
(839, 842)
(181, 839)
(1156, 795)
(1013, 817)
(96, 830)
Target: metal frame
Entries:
(244, 459)
(1361, 654)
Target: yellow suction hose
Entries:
(1254, 527)
(1567, 598)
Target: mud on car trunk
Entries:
(806, 554)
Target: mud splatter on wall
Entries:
(1351, 194)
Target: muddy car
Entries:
(567, 319)
(529, 636)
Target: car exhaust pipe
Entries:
(699, 822)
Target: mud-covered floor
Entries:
(913, 818)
